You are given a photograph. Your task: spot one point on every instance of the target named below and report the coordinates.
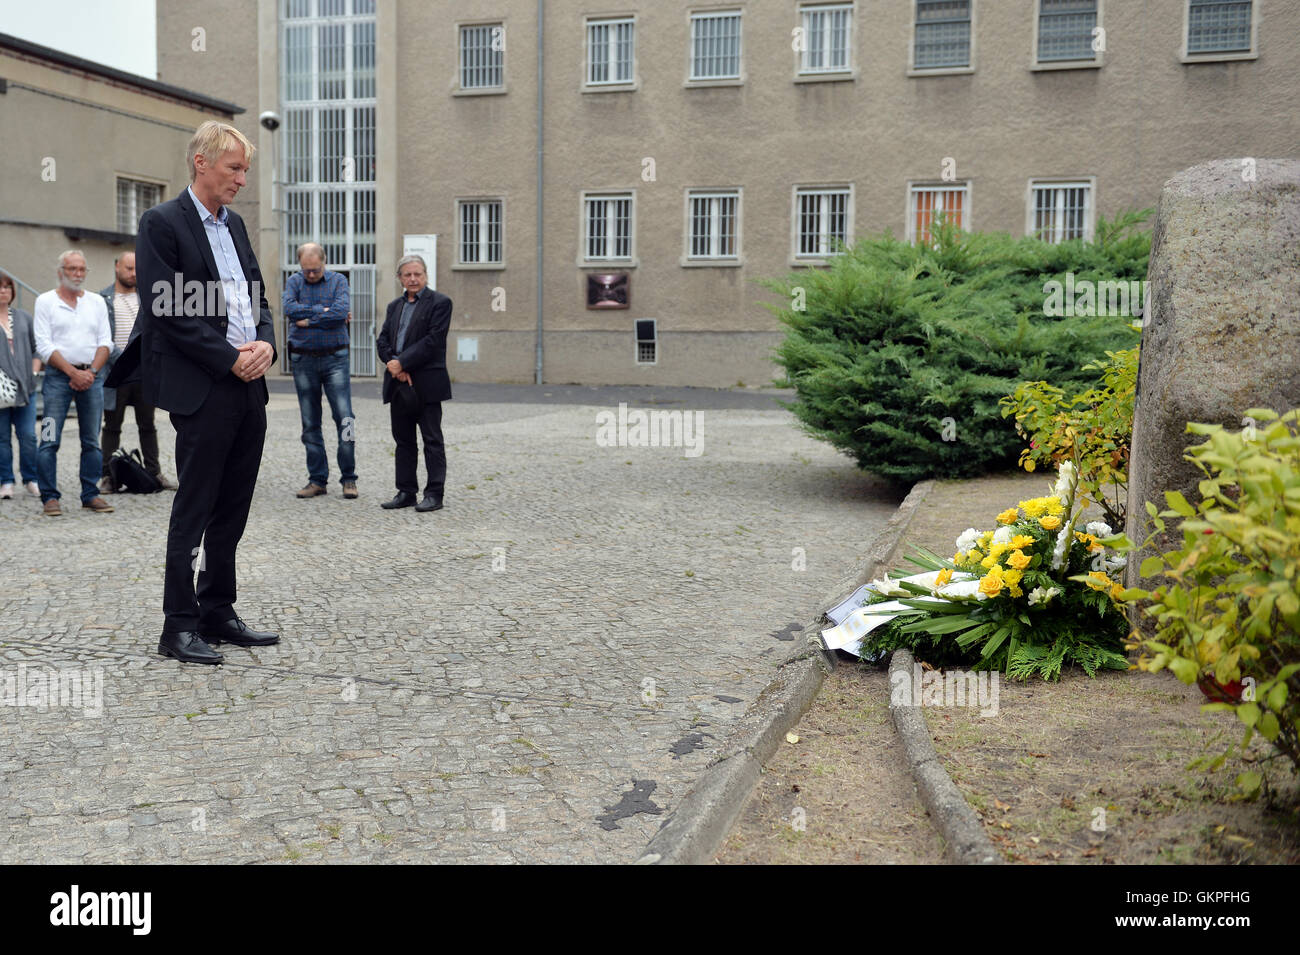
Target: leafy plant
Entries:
(1093, 427)
(901, 353)
(1226, 609)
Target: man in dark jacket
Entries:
(413, 347)
(123, 303)
(207, 341)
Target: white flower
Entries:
(887, 588)
(1040, 595)
(1062, 544)
(968, 539)
(1003, 535)
(1098, 529)
(1065, 480)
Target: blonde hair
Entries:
(212, 139)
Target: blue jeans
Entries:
(59, 396)
(22, 420)
(311, 373)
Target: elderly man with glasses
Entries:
(73, 339)
(316, 303)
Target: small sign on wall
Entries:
(611, 290)
(467, 349)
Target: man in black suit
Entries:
(205, 343)
(413, 346)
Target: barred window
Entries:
(827, 40)
(942, 38)
(822, 220)
(134, 198)
(715, 46)
(930, 203)
(609, 51)
(1061, 211)
(1065, 30)
(480, 232)
(482, 56)
(1218, 26)
(713, 224)
(608, 230)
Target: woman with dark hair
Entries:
(19, 364)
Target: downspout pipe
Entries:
(541, 271)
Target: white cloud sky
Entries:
(116, 33)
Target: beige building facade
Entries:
(685, 152)
(84, 151)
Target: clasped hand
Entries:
(395, 369)
(253, 361)
(79, 379)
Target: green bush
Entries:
(1227, 610)
(1093, 428)
(900, 353)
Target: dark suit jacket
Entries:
(180, 355)
(425, 351)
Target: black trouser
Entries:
(429, 421)
(218, 454)
(129, 394)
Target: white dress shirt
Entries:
(75, 333)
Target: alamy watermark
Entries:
(42, 688)
(637, 428)
(1089, 299)
(945, 688)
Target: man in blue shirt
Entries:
(316, 304)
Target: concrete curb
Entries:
(965, 842)
(695, 830)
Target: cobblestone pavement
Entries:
(533, 674)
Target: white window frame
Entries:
(136, 182)
(1087, 183)
(693, 17)
(914, 70)
(606, 86)
(1098, 56)
(1213, 57)
(489, 25)
(589, 195)
(918, 186)
(824, 189)
(636, 343)
(494, 265)
(806, 73)
(689, 260)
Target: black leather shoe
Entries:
(431, 502)
(237, 632)
(188, 647)
(403, 499)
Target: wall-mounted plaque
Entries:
(608, 291)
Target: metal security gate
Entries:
(361, 293)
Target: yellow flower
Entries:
(1015, 591)
(974, 555)
(1053, 505)
(1012, 577)
(1020, 541)
(958, 557)
(1099, 580)
(1034, 507)
(991, 584)
(1018, 560)
(945, 575)
(1051, 522)
(1009, 516)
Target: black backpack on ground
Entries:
(128, 472)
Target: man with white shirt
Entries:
(123, 302)
(73, 339)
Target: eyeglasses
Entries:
(76, 271)
(313, 271)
